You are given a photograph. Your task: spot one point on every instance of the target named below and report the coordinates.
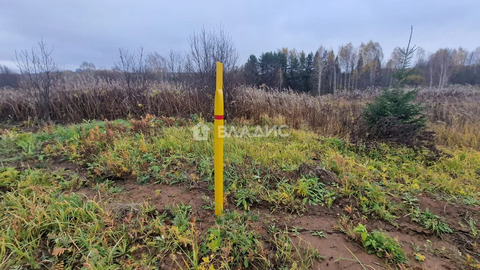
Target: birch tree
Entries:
(347, 59)
(319, 63)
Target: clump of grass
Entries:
(295, 197)
(108, 186)
(474, 231)
(41, 227)
(380, 244)
(289, 254)
(20, 146)
(430, 221)
(248, 196)
(233, 242)
(44, 227)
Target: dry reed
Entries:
(453, 113)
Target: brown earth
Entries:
(339, 251)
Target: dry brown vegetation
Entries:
(453, 113)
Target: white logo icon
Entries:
(200, 132)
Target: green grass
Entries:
(430, 221)
(381, 244)
(364, 171)
(44, 223)
(257, 169)
(287, 254)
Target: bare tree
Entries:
(443, 62)
(206, 48)
(420, 56)
(134, 69)
(332, 64)
(319, 64)
(474, 58)
(430, 70)
(125, 65)
(347, 58)
(175, 64)
(475, 61)
(393, 65)
(396, 59)
(353, 67)
(372, 56)
(157, 66)
(41, 73)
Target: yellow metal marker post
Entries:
(218, 141)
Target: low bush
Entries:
(382, 245)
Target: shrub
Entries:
(394, 117)
(382, 245)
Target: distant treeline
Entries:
(349, 68)
(321, 72)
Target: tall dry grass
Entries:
(106, 101)
(328, 115)
(453, 113)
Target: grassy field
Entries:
(138, 194)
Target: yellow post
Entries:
(218, 141)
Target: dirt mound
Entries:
(122, 210)
(324, 176)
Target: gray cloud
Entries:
(94, 30)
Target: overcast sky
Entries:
(92, 31)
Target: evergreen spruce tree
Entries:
(251, 69)
(394, 116)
